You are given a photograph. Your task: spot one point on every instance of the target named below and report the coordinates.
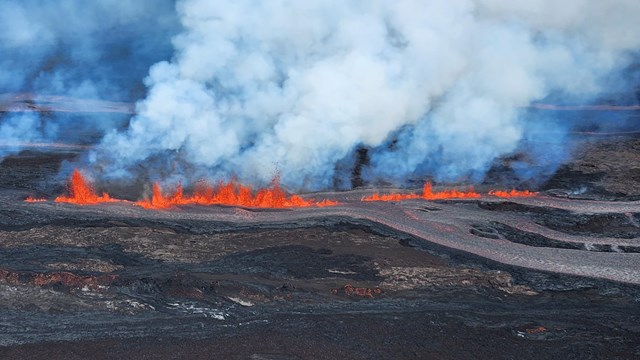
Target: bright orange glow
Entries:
(390, 197)
(230, 193)
(512, 193)
(81, 192)
(325, 203)
(427, 194)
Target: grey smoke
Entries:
(79, 49)
(436, 88)
(259, 88)
(20, 129)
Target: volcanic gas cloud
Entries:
(226, 89)
(429, 88)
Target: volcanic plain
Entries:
(556, 275)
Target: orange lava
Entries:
(230, 193)
(234, 194)
(81, 192)
(390, 197)
(427, 194)
(512, 193)
(326, 202)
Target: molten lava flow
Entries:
(512, 193)
(390, 197)
(427, 194)
(230, 193)
(326, 202)
(81, 193)
(234, 194)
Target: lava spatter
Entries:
(230, 193)
(427, 194)
(82, 193)
(512, 193)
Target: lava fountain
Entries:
(82, 193)
(427, 194)
(231, 194)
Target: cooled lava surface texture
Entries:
(192, 179)
(528, 277)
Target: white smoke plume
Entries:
(78, 49)
(20, 129)
(68, 47)
(435, 87)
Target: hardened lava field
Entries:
(192, 179)
(519, 277)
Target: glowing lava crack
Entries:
(231, 193)
(429, 194)
(234, 194)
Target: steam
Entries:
(17, 130)
(295, 87)
(435, 88)
(77, 49)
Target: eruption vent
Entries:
(32, 199)
(232, 194)
(512, 193)
(427, 194)
(81, 192)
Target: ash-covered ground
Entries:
(551, 277)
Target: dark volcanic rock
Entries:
(102, 282)
(607, 168)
